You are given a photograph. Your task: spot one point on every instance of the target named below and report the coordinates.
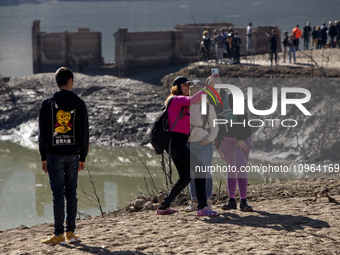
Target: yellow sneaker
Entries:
(71, 237)
(54, 240)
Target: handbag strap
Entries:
(179, 114)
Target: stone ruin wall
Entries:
(182, 45)
(81, 51)
(159, 48)
(77, 50)
(147, 48)
(192, 34)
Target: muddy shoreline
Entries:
(282, 223)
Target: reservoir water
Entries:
(118, 172)
(108, 16)
(25, 195)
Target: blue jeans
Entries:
(63, 175)
(204, 154)
(219, 54)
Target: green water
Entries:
(25, 195)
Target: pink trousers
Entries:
(236, 159)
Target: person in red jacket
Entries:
(297, 33)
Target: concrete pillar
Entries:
(121, 50)
(177, 46)
(36, 46)
(64, 48)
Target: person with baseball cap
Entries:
(184, 160)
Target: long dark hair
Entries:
(175, 91)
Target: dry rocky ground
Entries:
(284, 221)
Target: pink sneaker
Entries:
(206, 211)
(166, 211)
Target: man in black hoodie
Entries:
(324, 30)
(63, 146)
(273, 39)
(332, 34)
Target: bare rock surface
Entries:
(120, 110)
(315, 138)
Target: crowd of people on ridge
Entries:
(225, 43)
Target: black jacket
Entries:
(285, 41)
(306, 31)
(324, 30)
(273, 41)
(225, 130)
(316, 34)
(332, 31)
(63, 125)
(237, 41)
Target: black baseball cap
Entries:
(179, 80)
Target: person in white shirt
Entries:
(202, 136)
(249, 34)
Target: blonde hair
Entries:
(175, 91)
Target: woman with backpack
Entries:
(233, 145)
(202, 135)
(184, 160)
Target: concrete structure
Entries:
(81, 51)
(182, 45)
(78, 50)
(160, 48)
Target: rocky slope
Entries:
(122, 110)
(314, 138)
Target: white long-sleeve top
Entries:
(196, 120)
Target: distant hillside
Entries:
(18, 2)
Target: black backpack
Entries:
(160, 134)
